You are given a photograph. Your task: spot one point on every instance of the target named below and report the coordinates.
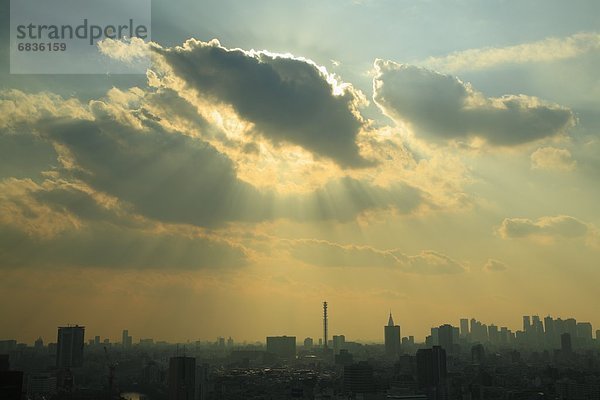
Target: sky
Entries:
(435, 159)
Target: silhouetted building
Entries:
(126, 340)
(39, 344)
(432, 373)
(70, 346)
(182, 378)
(464, 327)
(339, 341)
(526, 323)
(392, 338)
(445, 338)
(283, 346)
(584, 333)
(358, 378)
(202, 382)
(308, 343)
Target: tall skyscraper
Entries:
(69, 349)
(445, 338)
(392, 338)
(464, 327)
(182, 378)
(126, 340)
(526, 323)
(339, 342)
(432, 372)
(358, 378)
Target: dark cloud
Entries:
(328, 254)
(166, 176)
(288, 99)
(558, 226)
(442, 107)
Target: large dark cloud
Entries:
(441, 107)
(288, 99)
(166, 176)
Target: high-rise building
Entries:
(445, 338)
(431, 372)
(339, 342)
(464, 327)
(229, 343)
(584, 333)
(493, 334)
(70, 346)
(308, 343)
(526, 323)
(392, 338)
(182, 378)
(283, 346)
(358, 378)
(126, 340)
(550, 332)
(39, 344)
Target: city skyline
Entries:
(436, 158)
(459, 326)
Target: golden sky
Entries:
(442, 168)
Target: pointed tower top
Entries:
(391, 320)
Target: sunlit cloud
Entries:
(552, 159)
(546, 50)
